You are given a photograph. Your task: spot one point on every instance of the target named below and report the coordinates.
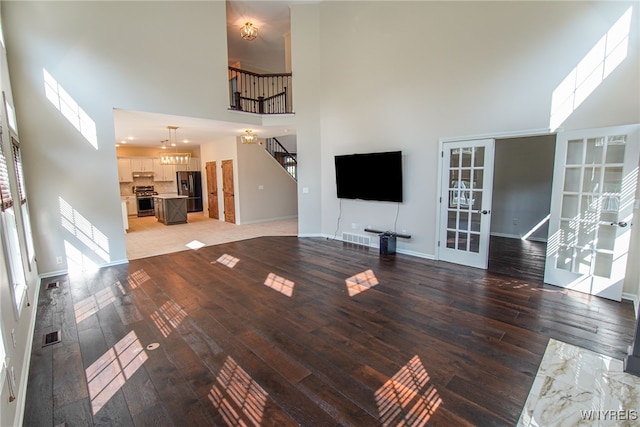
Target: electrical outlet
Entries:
(58, 260)
(354, 225)
(515, 221)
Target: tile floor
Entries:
(148, 237)
(578, 387)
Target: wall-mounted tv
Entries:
(370, 176)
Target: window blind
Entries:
(5, 190)
(17, 161)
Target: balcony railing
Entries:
(259, 93)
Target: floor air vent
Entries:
(53, 285)
(51, 338)
(356, 239)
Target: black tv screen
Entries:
(371, 176)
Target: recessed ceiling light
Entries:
(130, 138)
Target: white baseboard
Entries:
(515, 236)
(260, 221)
(26, 362)
(53, 274)
(50, 274)
(416, 254)
(314, 235)
(634, 299)
(377, 247)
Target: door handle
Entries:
(483, 212)
(620, 224)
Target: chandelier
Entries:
(173, 158)
(249, 137)
(248, 31)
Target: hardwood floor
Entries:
(279, 331)
(520, 259)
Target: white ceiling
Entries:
(149, 129)
(265, 53)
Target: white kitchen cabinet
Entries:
(124, 170)
(132, 205)
(163, 172)
(141, 164)
(125, 215)
(194, 165)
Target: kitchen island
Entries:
(170, 208)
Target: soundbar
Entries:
(388, 233)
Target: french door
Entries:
(465, 202)
(594, 185)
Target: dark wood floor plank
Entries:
(77, 413)
(39, 410)
(68, 379)
(233, 350)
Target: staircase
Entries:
(286, 159)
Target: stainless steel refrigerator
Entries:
(190, 185)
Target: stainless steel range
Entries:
(144, 198)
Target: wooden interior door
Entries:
(212, 189)
(227, 190)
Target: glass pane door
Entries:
(595, 178)
(465, 202)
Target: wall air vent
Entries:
(356, 239)
(53, 285)
(51, 338)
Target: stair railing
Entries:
(286, 159)
(259, 93)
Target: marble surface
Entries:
(578, 387)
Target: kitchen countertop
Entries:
(169, 196)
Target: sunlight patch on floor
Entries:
(361, 282)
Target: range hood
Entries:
(143, 174)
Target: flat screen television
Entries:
(370, 176)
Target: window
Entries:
(13, 252)
(24, 208)
(3, 355)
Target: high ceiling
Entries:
(265, 53)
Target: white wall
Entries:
(522, 177)
(306, 68)
(402, 75)
(146, 56)
(267, 192)
(288, 142)
(15, 324)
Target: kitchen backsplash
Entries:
(162, 187)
